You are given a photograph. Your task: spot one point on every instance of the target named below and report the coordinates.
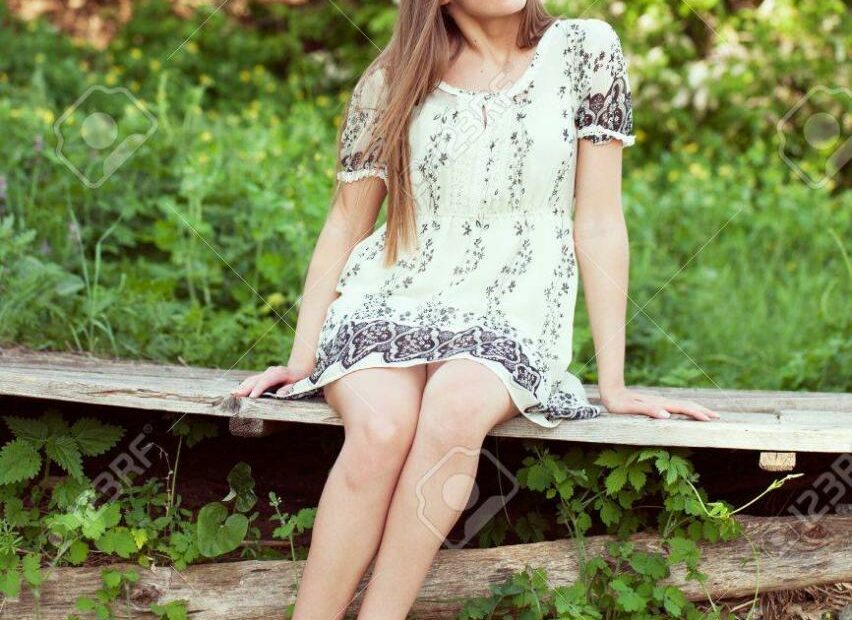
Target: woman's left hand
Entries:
(624, 400)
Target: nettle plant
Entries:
(52, 514)
(622, 491)
(38, 443)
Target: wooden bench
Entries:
(772, 423)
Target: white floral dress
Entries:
(494, 276)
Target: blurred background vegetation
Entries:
(196, 246)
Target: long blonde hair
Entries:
(424, 41)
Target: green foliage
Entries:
(218, 532)
(241, 487)
(291, 525)
(173, 610)
(113, 584)
(113, 592)
(623, 491)
(21, 458)
(194, 429)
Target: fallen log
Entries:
(775, 553)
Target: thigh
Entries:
(466, 387)
(377, 394)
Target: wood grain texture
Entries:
(754, 420)
(775, 553)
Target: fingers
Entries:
(245, 388)
(272, 376)
(662, 409)
(256, 385)
(655, 411)
(640, 407)
(693, 410)
(689, 408)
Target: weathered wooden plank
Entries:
(775, 553)
(766, 421)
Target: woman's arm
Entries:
(600, 240)
(351, 218)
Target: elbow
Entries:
(593, 232)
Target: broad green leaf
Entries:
(616, 480)
(242, 487)
(306, 516)
(27, 428)
(63, 451)
(173, 610)
(14, 513)
(85, 603)
(674, 601)
(628, 598)
(610, 513)
(94, 437)
(195, 430)
(651, 565)
(538, 478)
(610, 458)
(111, 578)
(56, 425)
(118, 541)
(10, 582)
(78, 552)
(217, 533)
(637, 477)
(683, 550)
(19, 460)
(31, 566)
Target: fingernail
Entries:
(663, 413)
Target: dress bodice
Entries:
(510, 151)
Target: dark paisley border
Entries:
(612, 110)
(397, 343)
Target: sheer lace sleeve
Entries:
(604, 106)
(359, 146)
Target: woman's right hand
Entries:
(256, 385)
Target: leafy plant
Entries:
(241, 488)
(49, 439)
(219, 532)
(116, 584)
(292, 525)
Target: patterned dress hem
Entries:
(386, 344)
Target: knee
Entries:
(376, 447)
(456, 415)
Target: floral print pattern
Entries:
(493, 277)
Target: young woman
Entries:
(488, 126)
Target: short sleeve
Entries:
(359, 146)
(604, 106)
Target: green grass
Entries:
(196, 248)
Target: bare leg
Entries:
(379, 407)
(462, 401)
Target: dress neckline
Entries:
(523, 80)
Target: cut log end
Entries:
(777, 461)
(252, 428)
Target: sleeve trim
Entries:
(350, 176)
(600, 134)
